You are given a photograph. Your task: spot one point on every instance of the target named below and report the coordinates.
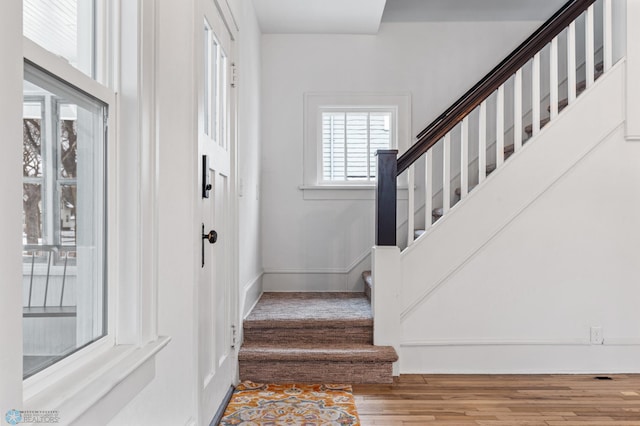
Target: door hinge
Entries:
(233, 336)
(234, 75)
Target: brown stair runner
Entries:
(313, 337)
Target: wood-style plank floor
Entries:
(504, 400)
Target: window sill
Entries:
(102, 387)
(345, 192)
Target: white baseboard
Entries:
(315, 281)
(251, 293)
(535, 357)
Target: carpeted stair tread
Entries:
(310, 310)
(313, 338)
(305, 353)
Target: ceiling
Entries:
(469, 10)
(364, 16)
(319, 16)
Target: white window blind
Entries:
(350, 140)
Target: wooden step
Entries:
(348, 363)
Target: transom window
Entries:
(350, 140)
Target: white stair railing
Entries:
(513, 130)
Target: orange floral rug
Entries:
(307, 405)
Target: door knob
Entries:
(212, 236)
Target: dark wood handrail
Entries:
(442, 125)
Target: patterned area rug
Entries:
(308, 405)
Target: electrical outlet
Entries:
(597, 337)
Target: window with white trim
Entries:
(343, 132)
(350, 140)
(64, 184)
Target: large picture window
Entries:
(64, 244)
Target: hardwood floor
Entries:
(506, 400)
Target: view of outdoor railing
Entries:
(48, 270)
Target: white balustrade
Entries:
(446, 174)
(589, 46)
(482, 142)
(518, 99)
(571, 63)
(500, 126)
(517, 111)
(553, 78)
(411, 205)
(428, 186)
(607, 35)
(464, 157)
(535, 94)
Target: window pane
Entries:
(31, 139)
(63, 27)
(207, 76)
(32, 213)
(64, 304)
(357, 145)
(333, 132)
(380, 134)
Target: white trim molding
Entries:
(569, 356)
(79, 394)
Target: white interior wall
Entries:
(11, 78)
(318, 245)
(249, 147)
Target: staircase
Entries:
(313, 338)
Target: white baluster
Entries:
(500, 126)
(411, 211)
(464, 157)
(428, 187)
(482, 142)
(517, 111)
(571, 62)
(607, 35)
(553, 78)
(535, 94)
(446, 174)
(589, 46)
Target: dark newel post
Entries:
(386, 197)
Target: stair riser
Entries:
(316, 372)
(279, 336)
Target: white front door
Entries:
(217, 296)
